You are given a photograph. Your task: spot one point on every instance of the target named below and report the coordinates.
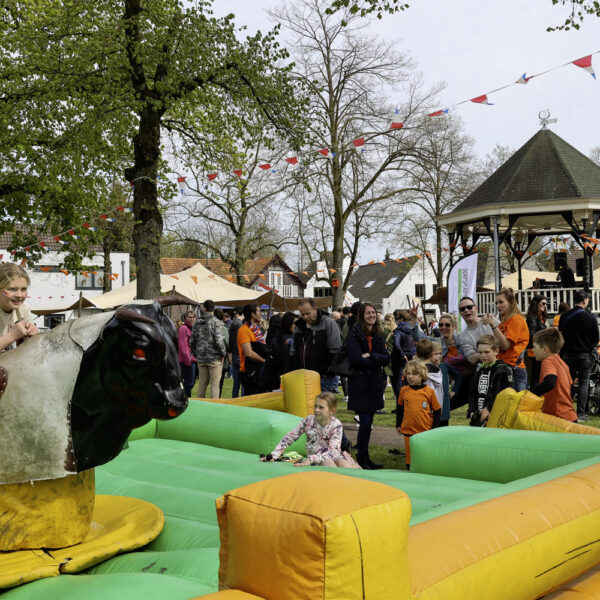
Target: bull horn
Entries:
(126, 314)
(173, 300)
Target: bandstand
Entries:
(546, 188)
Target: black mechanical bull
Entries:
(74, 394)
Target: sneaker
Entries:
(582, 418)
(357, 420)
(345, 399)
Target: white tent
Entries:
(196, 283)
(512, 279)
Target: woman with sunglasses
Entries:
(451, 351)
(512, 334)
(537, 316)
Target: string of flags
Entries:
(397, 122)
(65, 237)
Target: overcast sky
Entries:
(475, 46)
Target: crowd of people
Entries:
(431, 369)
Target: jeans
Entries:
(520, 376)
(188, 377)
(364, 432)
(329, 384)
(235, 372)
(580, 365)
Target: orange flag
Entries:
(194, 279)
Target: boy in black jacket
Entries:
(490, 378)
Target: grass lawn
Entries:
(380, 454)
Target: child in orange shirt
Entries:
(555, 379)
(418, 407)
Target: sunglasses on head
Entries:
(466, 307)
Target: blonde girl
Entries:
(16, 320)
(323, 437)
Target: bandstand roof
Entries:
(540, 183)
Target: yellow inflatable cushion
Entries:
(549, 532)
(229, 595)
(586, 587)
(315, 535)
(118, 525)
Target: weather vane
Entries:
(545, 120)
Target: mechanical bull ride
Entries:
(71, 398)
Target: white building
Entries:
(393, 284)
(53, 289)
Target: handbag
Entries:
(340, 364)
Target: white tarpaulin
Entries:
(196, 283)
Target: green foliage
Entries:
(86, 90)
(579, 9)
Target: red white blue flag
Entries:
(586, 64)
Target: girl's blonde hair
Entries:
(389, 321)
(9, 272)
(451, 317)
(330, 398)
(417, 367)
(435, 347)
(510, 297)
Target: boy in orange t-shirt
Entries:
(418, 407)
(555, 379)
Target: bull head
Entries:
(129, 376)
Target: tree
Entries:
(89, 86)
(442, 176)
(234, 217)
(347, 73)
(579, 9)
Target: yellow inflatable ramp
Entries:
(586, 587)
(315, 535)
(118, 525)
(518, 547)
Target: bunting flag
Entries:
(72, 233)
(585, 63)
(292, 161)
(358, 143)
(64, 271)
(124, 209)
(437, 113)
(89, 227)
(523, 79)
(324, 152)
(238, 172)
(265, 167)
(332, 270)
(194, 279)
(180, 183)
(483, 99)
(107, 218)
(174, 277)
(212, 176)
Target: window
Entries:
(275, 279)
(369, 284)
(391, 280)
(322, 292)
(93, 281)
(51, 321)
(420, 290)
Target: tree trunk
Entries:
(107, 283)
(148, 220)
(338, 261)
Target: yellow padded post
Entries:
(52, 513)
(315, 535)
(300, 388)
(523, 410)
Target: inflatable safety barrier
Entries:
(481, 502)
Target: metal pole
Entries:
(496, 255)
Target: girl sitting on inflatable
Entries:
(16, 320)
(323, 437)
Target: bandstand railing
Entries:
(486, 300)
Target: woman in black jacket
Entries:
(368, 355)
(537, 315)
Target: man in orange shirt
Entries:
(250, 360)
(555, 379)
